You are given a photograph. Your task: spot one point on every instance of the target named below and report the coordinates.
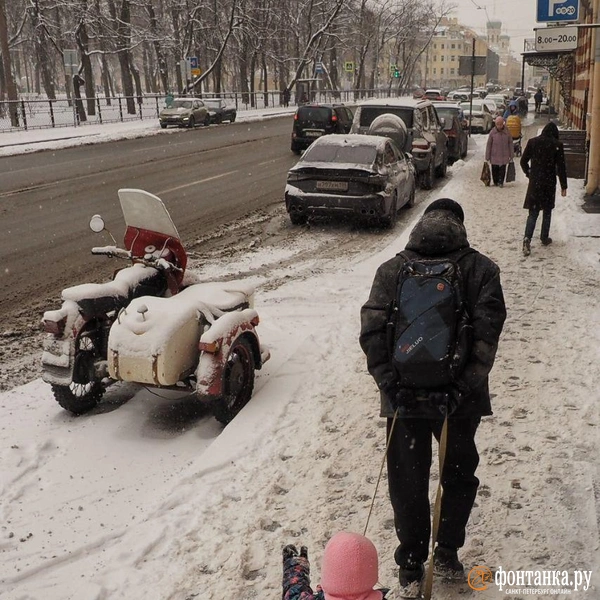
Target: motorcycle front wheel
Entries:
(238, 382)
(85, 391)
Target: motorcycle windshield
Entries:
(143, 210)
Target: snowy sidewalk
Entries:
(18, 142)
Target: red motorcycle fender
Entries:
(215, 350)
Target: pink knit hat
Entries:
(350, 568)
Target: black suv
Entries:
(425, 139)
(311, 121)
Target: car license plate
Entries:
(313, 133)
(338, 186)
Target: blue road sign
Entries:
(557, 11)
(319, 67)
(193, 62)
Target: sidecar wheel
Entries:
(238, 382)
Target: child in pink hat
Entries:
(349, 571)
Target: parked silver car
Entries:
(481, 118)
(184, 112)
(425, 140)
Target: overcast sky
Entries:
(517, 16)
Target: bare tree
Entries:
(9, 82)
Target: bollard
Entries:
(51, 113)
(24, 114)
(99, 111)
(120, 109)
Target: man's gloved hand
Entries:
(399, 397)
(446, 401)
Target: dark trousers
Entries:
(408, 464)
(498, 174)
(532, 220)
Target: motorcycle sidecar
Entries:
(203, 339)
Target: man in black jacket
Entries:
(440, 233)
(542, 161)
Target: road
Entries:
(207, 177)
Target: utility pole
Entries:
(472, 86)
(523, 67)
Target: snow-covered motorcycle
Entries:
(152, 324)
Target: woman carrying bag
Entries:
(499, 151)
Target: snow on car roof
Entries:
(409, 102)
(351, 139)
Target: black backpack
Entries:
(429, 330)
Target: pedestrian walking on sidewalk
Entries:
(542, 161)
(499, 151)
(415, 415)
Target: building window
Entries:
(452, 58)
(441, 71)
(453, 46)
(442, 58)
(442, 46)
(435, 71)
(452, 71)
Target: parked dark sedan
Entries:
(455, 125)
(219, 110)
(362, 176)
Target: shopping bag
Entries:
(486, 176)
(510, 172)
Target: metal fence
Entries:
(42, 113)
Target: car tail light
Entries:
(334, 119)
(293, 177)
(295, 117)
(377, 181)
(451, 132)
(56, 328)
(420, 145)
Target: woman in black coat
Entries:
(542, 161)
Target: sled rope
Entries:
(437, 510)
(387, 445)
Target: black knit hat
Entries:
(447, 204)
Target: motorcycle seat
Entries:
(102, 298)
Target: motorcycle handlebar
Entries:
(157, 263)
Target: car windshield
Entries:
(213, 103)
(181, 104)
(369, 113)
(316, 114)
(448, 114)
(477, 107)
(362, 155)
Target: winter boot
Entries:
(526, 246)
(546, 241)
(410, 582)
(447, 565)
